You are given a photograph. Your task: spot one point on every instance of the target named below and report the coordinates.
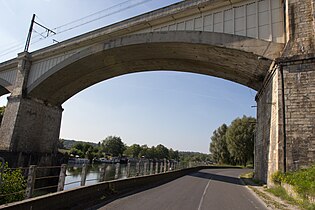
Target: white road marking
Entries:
(203, 195)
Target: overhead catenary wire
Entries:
(95, 19)
(18, 44)
(40, 37)
(77, 20)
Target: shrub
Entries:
(13, 185)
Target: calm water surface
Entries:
(93, 174)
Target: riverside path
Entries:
(205, 189)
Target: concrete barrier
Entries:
(88, 196)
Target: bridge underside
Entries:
(3, 91)
(221, 55)
(285, 118)
(35, 116)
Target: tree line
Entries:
(234, 144)
(113, 146)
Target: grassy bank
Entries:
(303, 183)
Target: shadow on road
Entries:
(216, 177)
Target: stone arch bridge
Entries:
(267, 45)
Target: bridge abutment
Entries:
(30, 127)
(269, 131)
(285, 139)
(297, 65)
(30, 130)
(299, 113)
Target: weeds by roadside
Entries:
(303, 183)
(302, 180)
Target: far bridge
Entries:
(267, 45)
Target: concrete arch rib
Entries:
(221, 55)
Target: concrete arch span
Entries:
(226, 56)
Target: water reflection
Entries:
(93, 176)
(94, 172)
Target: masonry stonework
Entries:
(30, 128)
(300, 28)
(298, 66)
(268, 142)
(299, 94)
(285, 136)
(35, 121)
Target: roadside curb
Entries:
(255, 194)
(270, 200)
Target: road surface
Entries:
(203, 190)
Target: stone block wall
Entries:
(268, 142)
(299, 92)
(31, 126)
(298, 64)
(300, 27)
(262, 137)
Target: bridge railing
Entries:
(42, 180)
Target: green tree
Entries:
(13, 184)
(143, 151)
(174, 155)
(60, 144)
(113, 145)
(240, 139)
(79, 146)
(218, 146)
(161, 152)
(90, 154)
(151, 153)
(133, 151)
(76, 152)
(81, 149)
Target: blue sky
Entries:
(179, 110)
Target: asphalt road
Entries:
(203, 190)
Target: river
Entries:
(74, 172)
